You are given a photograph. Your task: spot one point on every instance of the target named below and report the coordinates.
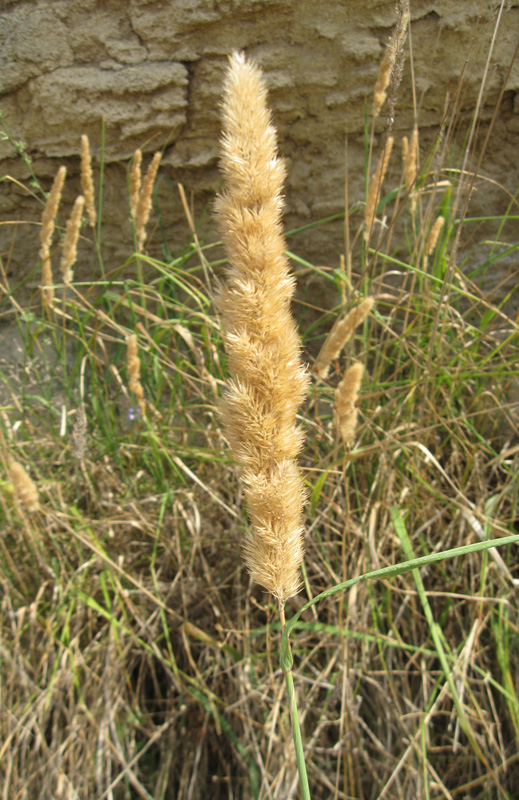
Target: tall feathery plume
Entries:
(134, 371)
(268, 381)
(345, 411)
(391, 67)
(87, 180)
(135, 184)
(69, 252)
(339, 335)
(24, 487)
(375, 187)
(410, 167)
(432, 239)
(46, 232)
(144, 204)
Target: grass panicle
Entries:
(70, 240)
(145, 197)
(133, 363)
(345, 409)
(24, 487)
(339, 335)
(375, 188)
(135, 184)
(87, 181)
(268, 381)
(46, 232)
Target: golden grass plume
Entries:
(24, 487)
(69, 252)
(134, 370)
(135, 183)
(144, 202)
(391, 66)
(268, 381)
(87, 180)
(375, 187)
(339, 335)
(345, 410)
(47, 231)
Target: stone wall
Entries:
(154, 70)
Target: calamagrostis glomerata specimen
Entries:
(24, 487)
(268, 381)
(46, 233)
(87, 180)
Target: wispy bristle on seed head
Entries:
(268, 381)
(87, 180)
(145, 198)
(345, 411)
(339, 335)
(24, 487)
(69, 252)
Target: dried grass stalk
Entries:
(87, 180)
(46, 233)
(134, 371)
(375, 187)
(268, 381)
(24, 487)
(145, 196)
(69, 254)
(339, 335)
(346, 394)
(135, 184)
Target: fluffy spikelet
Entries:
(24, 486)
(87, 180)
(345, 411)
(268, 381)
(135, 184)
(46, 232)
(339, 335)
(144, 203)
(134, 371)
(375, 187)
(69, 254)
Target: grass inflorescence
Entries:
(137, 657)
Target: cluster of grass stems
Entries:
(138, 660)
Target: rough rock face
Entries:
(154, 70)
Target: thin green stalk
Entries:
(286, 665)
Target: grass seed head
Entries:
(24, 487)
(46, 233)
(339, 335)
(145, 197)
(375, 187)
(135, 184)
(268, 381)
(87, 180)
(134, 370)
(345, 411)
(69, 253)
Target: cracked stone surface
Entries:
(153, 71)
